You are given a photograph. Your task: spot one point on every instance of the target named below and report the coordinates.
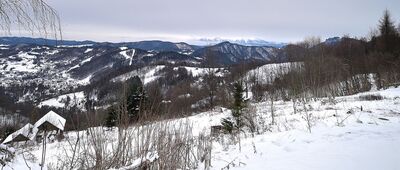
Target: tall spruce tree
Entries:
(136, 98)
(237, 109)
(111, 119)
(238, 104)
(388, 33)
(386, 25)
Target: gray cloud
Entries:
(183, 20)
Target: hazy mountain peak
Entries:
(245, 42)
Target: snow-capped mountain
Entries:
(229, 53)
(245, 42)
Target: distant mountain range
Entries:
(245, 42)
(225, 53)
(147, 45)
(154, 44)
(51, 67)
(40, 41)
(27, 63)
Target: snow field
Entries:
(343, 136)
(77, 99)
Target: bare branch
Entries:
(34, 16)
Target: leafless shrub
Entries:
(232, 164)
(170, 145)
(6, 155)
(252, 121)
(369, 97)
(330, 101)
(340, 120)
(308, 117)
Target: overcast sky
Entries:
(186, 20)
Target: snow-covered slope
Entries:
(151, 73)
(342, 137)
(146, 74)
(32, 72)
(198, 71)
(66, 101)
(267, 73)
(347, 133)
(364, 146)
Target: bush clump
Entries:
(370, 97)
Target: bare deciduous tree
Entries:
(34, 16)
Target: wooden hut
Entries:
(49, 122)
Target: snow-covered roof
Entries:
(28, 131)
(52, 118)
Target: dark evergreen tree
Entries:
(238, 104)
(237, 108)
(388, 34)
(112, 117)
(136, 98)
(386, 25)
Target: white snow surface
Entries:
(150, 157)
(88, 50)
(269, 72)
(81, 63)
(146, 74)
(363, 141)
(85, 80)
(125, 54)
(76, 99)
(86, 60)
(22, 62)
(52, 118)
(366, 146)
(28, 131)
(198, 71)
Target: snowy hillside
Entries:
(66, 101)
(150, 91)
(347, 132)
(147, 74)
(267, 73)
(36, 72)
(342, 137)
